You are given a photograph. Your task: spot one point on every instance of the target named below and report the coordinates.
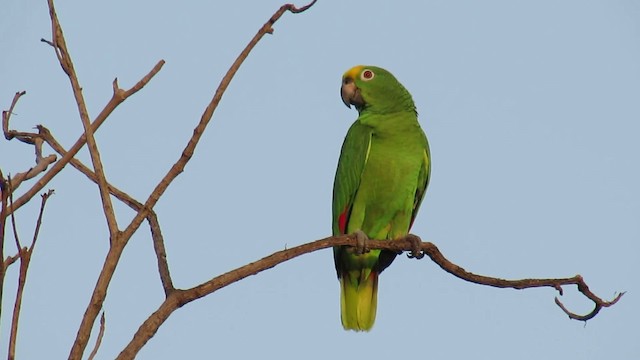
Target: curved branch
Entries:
(434, 253)
(178, 298)
(6, 115)
(410, 243)
(584, 289)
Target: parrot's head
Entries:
(374, 89)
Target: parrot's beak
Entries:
(350, 93)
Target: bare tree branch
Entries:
(116, 248)
(24, 255)
(67, 65)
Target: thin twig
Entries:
(94, 352)
(36, 232)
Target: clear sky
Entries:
(532, 110)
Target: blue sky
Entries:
(531, 109)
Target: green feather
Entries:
(382, 175)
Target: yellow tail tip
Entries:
(359, 301)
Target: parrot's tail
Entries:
(358, 299)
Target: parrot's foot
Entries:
(361, 242)
(416, 247)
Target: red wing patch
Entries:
(342, 220)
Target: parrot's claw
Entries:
(361, 242)
(416, 247)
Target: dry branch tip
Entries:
(47, 42)
(598, 305)
(296, 10)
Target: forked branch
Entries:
(152, 218)
(42, 163)
(24, 255)
(119, 96)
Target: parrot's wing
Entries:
(423, 182)
(353, 157)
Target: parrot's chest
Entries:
(387, 188)
(390, 174)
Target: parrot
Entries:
(382, 176)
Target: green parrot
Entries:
(382, 175)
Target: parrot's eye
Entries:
(367, 75)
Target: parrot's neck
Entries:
(387, 104)
(391, 123)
